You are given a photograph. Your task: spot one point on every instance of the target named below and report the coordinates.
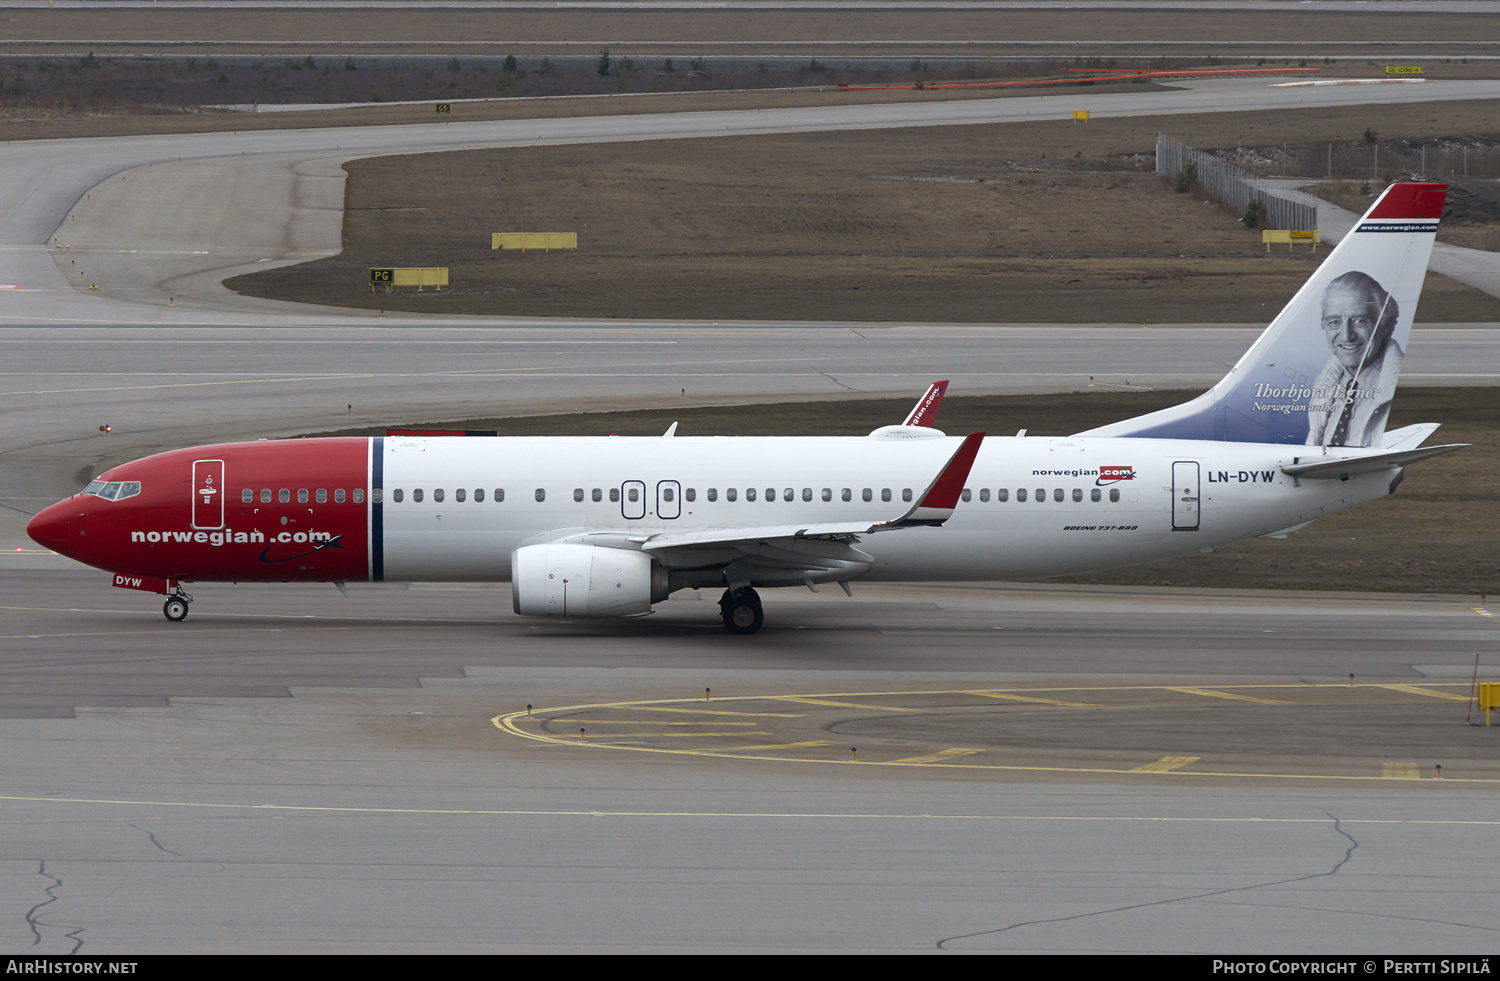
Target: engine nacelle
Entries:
(584, 581)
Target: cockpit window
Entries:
(114, 490)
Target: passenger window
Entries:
(713, 493)
(633, 495)
(906, 494)
(479, 495)
(846, 495)
(786, 495)
(1077, 494)
(1057, 494)
(398, 495)
(541, 494)
(1114, 493)
(265, 495)
(499, 494)
(338, 496)
(437, 496)
(598, 495)
(416, 496)
(885, 493)
(302, 496)
(730, 494)
(828, 493)
(247, 495)
(578, 495)
(614, 495)
(984, 495)
(1003, 494)
(771, 494)
(666, 494)
(1020, 493)
(1094, 494)
(691, 494)
(321, 496)
(967, 495)
(1041, 494)
(807, 493)
(866, 495)
(749, 493)
(375, 495)
(284, 496)
(460, 495)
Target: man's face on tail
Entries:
(1353, 315)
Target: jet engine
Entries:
(564, 580)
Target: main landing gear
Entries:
(176, 607)
(741, 611)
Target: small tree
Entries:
(604, 63)
(1186, 178)
(666, 66)
(1252, 214)
(510, 64)
(1371, 136)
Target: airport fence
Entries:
(1233, 185)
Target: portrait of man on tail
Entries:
(1352, 395)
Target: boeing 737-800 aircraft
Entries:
(609, 526)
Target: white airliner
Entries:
(609, 526)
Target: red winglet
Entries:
(950, 483)
(924, 413)
(1410, 200)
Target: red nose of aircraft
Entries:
(50, 527)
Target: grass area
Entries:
(1437, 534)
(1038, 222)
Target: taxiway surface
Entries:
(192, 809)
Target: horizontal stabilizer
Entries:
(1409, 437)
(1351, 466)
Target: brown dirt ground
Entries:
(1438, 534)
(1032, 222)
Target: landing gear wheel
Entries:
(741, 612)
(175, 609)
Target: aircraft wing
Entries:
(1349, 466)
(933, 506)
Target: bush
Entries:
(1252, 215)
(1186, 178)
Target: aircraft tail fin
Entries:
(1324, 372)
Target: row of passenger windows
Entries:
(320, 495)
(668, 494)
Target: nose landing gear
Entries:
(741, 611)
